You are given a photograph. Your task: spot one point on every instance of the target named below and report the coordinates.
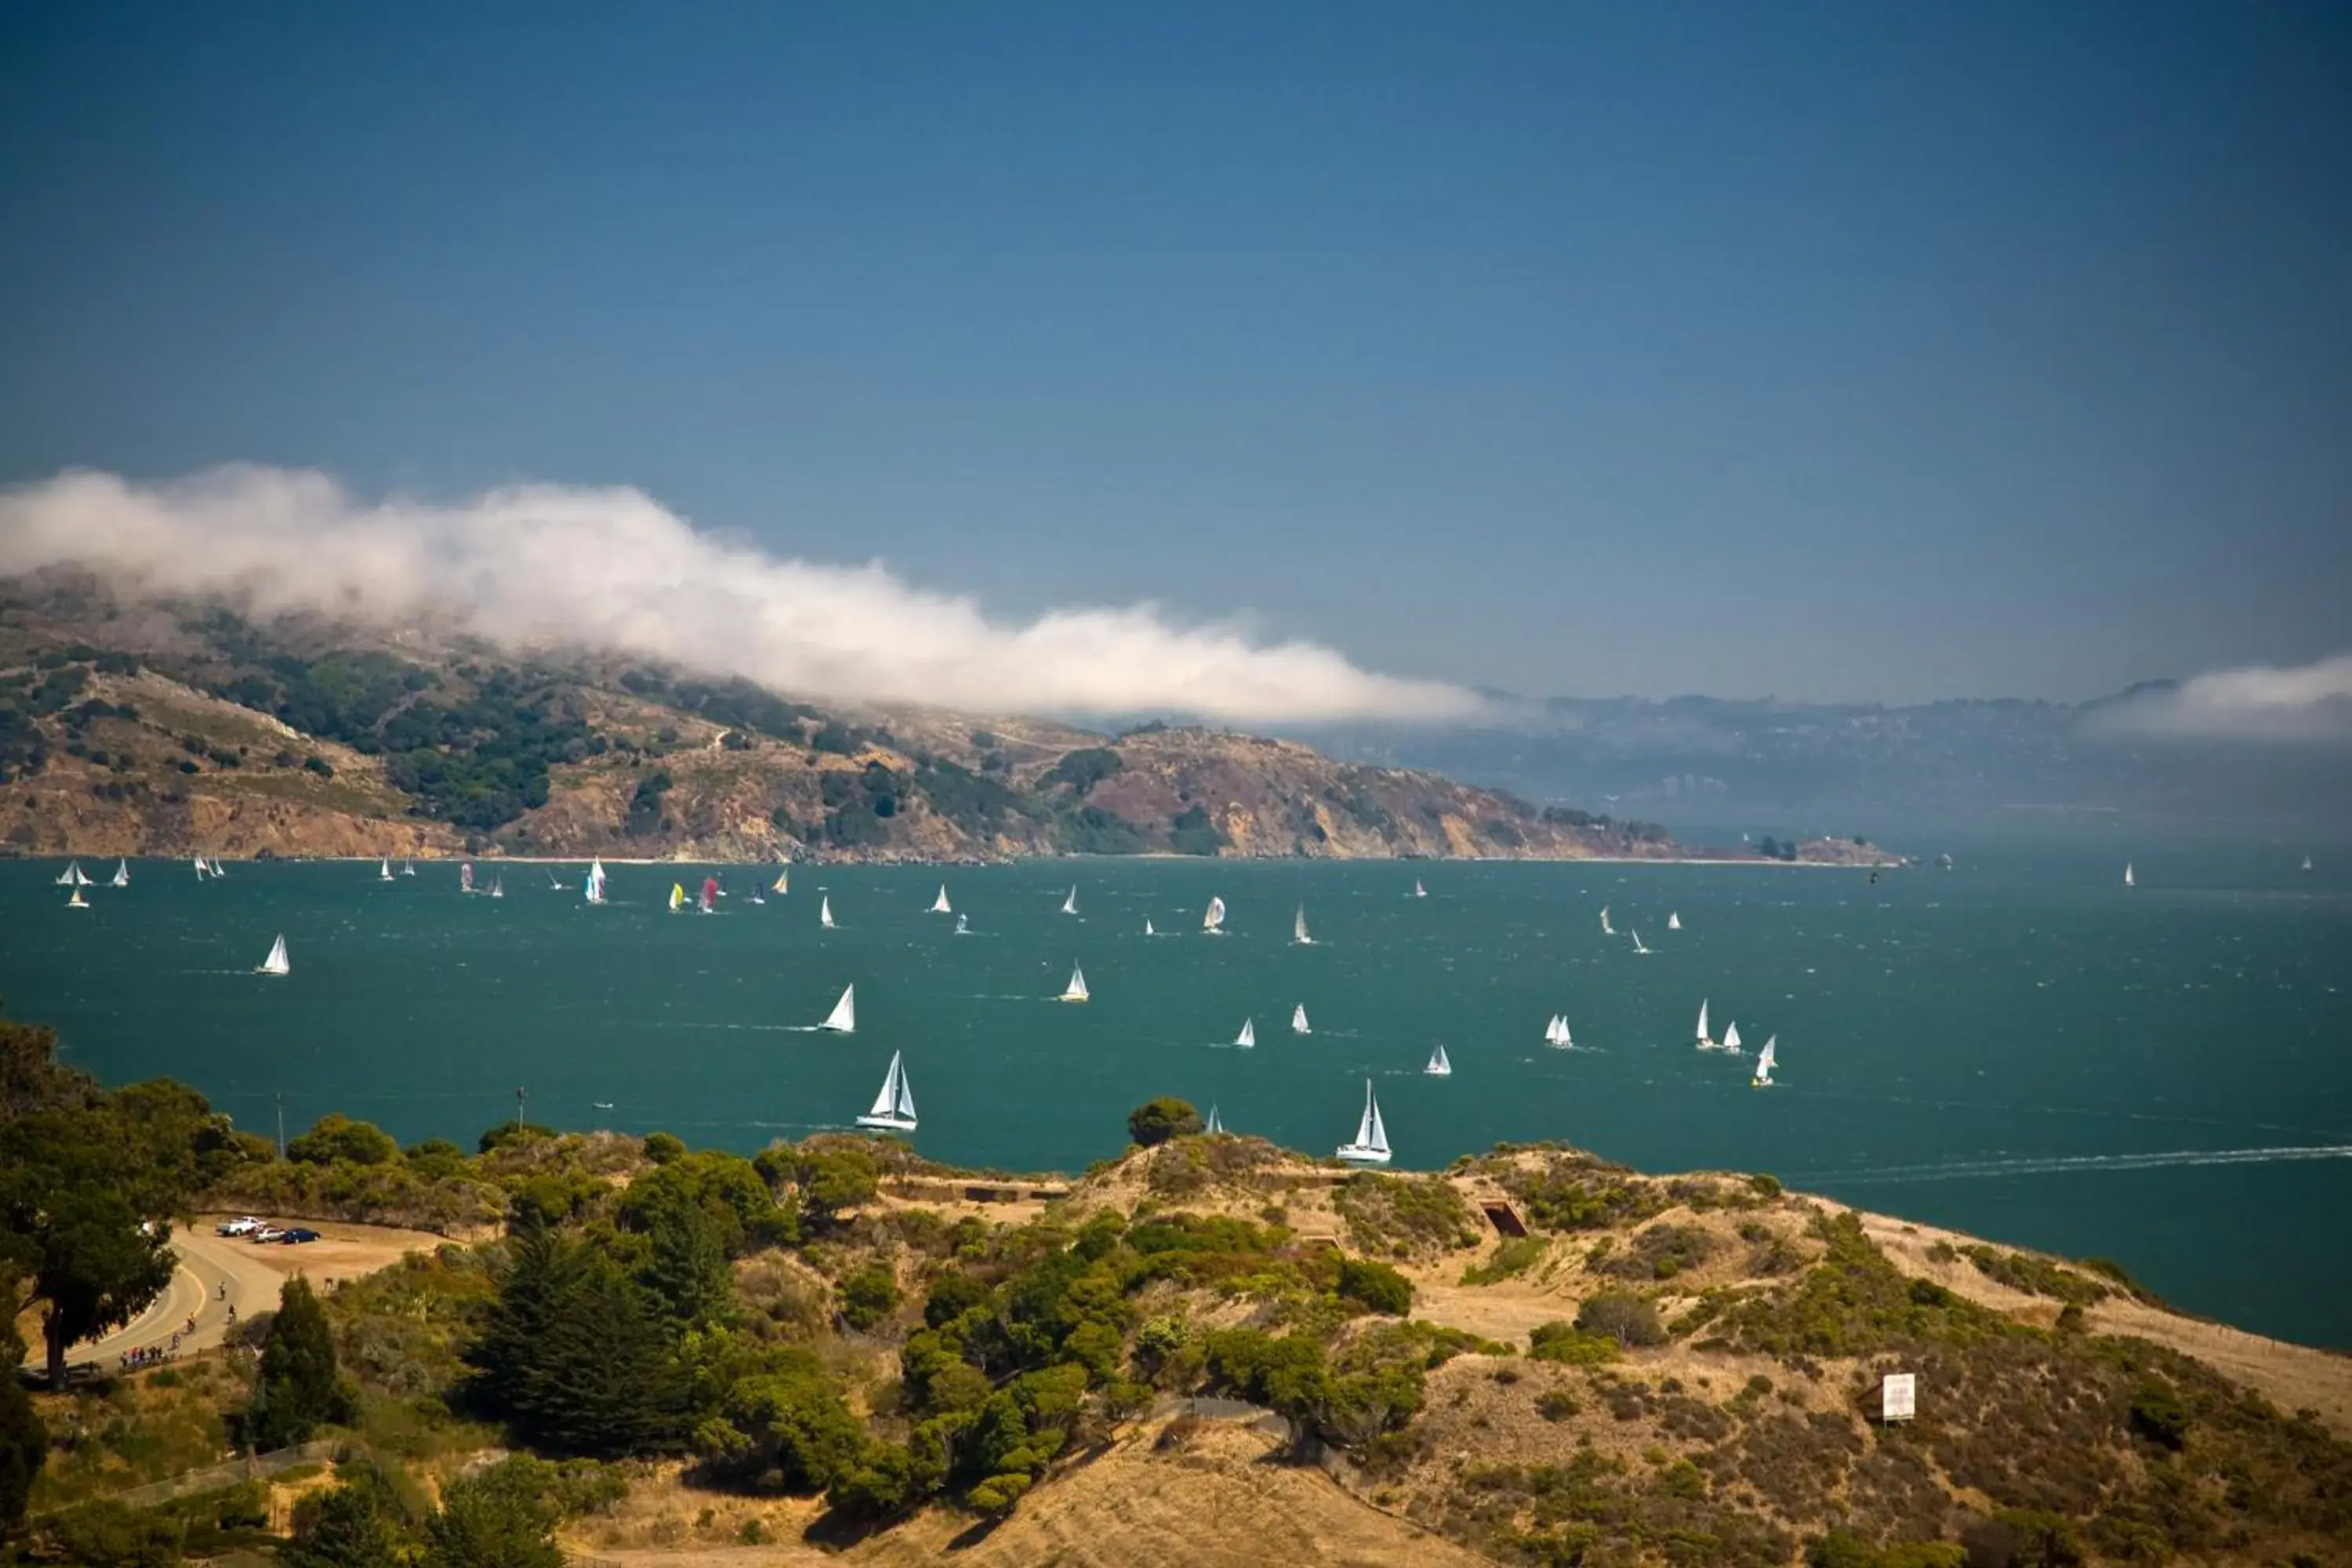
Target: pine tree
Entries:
(578, 1355)
(297, 1390)
(342, 1527)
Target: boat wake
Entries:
(2067, 1164)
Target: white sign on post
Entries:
(1899, 1395)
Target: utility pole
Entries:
(521, 1095)
(281, 1124)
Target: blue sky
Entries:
(1831, 351)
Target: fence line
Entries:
(228, 1473)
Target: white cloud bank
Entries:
(2259, 703)
(614, 569)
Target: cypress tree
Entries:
(298, 1390)
(578, 1355)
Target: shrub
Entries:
(1376, 1285)
(1565, 1342)
(2158, 1415)
(1557, 1405)
(1515, 1256)
(1628, 1319)
(336, 1137)
(868, 1296)
(661, 1148)
(1158, 1120)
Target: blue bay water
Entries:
(2020, 1047)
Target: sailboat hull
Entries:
(888, 1123)
(1357, 1154)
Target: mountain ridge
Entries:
(157, 728)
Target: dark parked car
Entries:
(297, 1236)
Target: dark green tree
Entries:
(298, 1391)
(24, 1440)
(687, 1267)
(1158, 1120)
(578, 1355)
(336, 1137)
(497, 1517)
(342, 1527)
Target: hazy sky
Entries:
(1865, 351)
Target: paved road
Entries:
(215, 1273)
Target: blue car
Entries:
(297, 1236)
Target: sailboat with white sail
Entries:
(1070, 904)
(71, 876)
(200, 868)
(554, 882)
(1418, 891)
(1638, 947)
(1248, 1037)
(498, 886)
(2129, 881)
(1673, 921)
(1298, 937)
(1298, 1020)
(213, 865)
(74, 901)
(894, 1109)
(408, 868)
(1371, 1144)
(1212, 923)
(1730, 1040)
(964, 925)
(1214, 1127)
(1764, 1061)
(595, 883)
(940, 904)
(2306, 862)
(1606, 928)
(122, 877)
(1556, 1033)
(843, 1020)
(1147, 926)
(1706, 1040)
(783, 882)
(276, 962)
(824, 910)
(1075, 991)
(384, 869)
(1439, 1066)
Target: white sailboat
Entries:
(1213, 1127)
(783, 882)
(1298, 1020)
(964, 925)
(384, 869)
(894, 1109)
(1248, 1037)
(1556, 1033)
(1298, 936)
(1147, 926)
(843, 1020)
(1765, 1060)
(1075, 991)
(554, 882)
(498, 886)
(824, 910)
(1371, 1144)
(2129, 881)
(1439, 1066)
(1706, 1042)
(940, 904)
(1637, 945)
(1214, 921)
(122, 877)
(1418, 891)
(1731, 1038)
(1674, 922)
(276, 962)
(2306, 862)
(213, 866)
(408, 868)
(596, 884)
(74, 901)
(200, 868)
(71, 876)
(1070, 904)
(1606, 928)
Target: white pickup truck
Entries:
(244, 1225)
